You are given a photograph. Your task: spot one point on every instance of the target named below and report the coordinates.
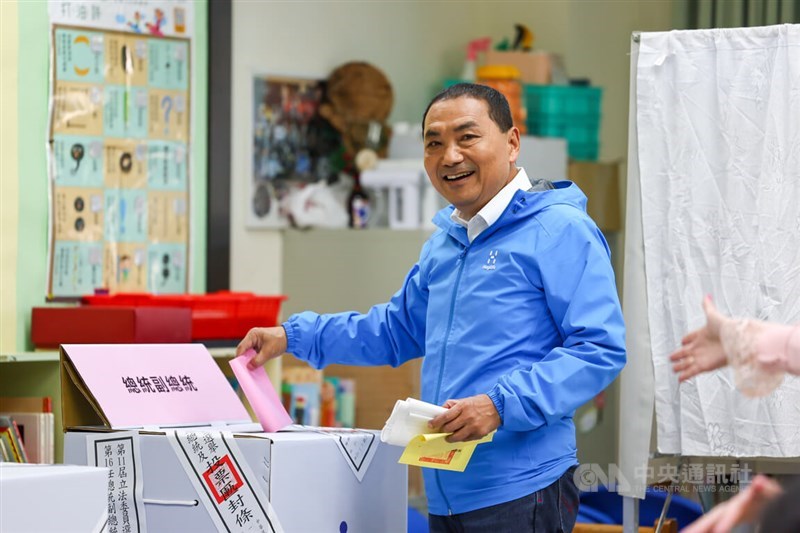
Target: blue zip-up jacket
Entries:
(527, 313)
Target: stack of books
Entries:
(26, 430)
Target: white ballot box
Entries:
(53, 498)
(310, 482)
(224, 474)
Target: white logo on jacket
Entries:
(490, 263)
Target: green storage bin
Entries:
(572, 113)
(563, 100)
(588, 151)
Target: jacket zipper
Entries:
(444, 354)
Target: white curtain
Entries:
(718, 125)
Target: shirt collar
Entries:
(489, 214)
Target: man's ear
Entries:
(513, 144)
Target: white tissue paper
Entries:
(409, 418)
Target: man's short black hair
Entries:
(499, 111)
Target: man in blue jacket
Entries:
(513, 306)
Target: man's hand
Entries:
(268, 343)
(468, 418)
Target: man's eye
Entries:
(432, 144)
(469, 137)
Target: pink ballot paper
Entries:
(260, 393)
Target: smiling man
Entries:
(513, 306)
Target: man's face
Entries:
(467, 158)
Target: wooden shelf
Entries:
(28, 357)
(44, 356)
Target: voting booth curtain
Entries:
(713, 207)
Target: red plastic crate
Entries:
(218, 315)
(120, 299)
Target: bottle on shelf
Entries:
(358, 205)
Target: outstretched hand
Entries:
(268, 343)
(468, 418)
(701, 350)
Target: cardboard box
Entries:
(308, 483)
(310, 480)
(534, 67)
(52, 326)
(117, 386)
(44, 498)
(600, 183)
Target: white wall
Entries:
(417, 44)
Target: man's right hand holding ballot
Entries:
(268, 343)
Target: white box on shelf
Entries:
(543, 157)
(401, 178)
(52, 497)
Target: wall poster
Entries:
(286, 145)
(119, 147)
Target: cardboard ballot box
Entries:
(305, 477)
(44, 498)
(218, 473)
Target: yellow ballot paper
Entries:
(431, 450)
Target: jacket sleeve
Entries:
(575, 273)
(793, 351)
(777, 348)
(388, 334)
(760, 353)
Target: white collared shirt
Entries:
(489, 214)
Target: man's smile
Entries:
(458, 176)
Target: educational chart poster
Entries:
(119, 147)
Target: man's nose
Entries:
(452, 154)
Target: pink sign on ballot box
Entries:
(139, 385)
